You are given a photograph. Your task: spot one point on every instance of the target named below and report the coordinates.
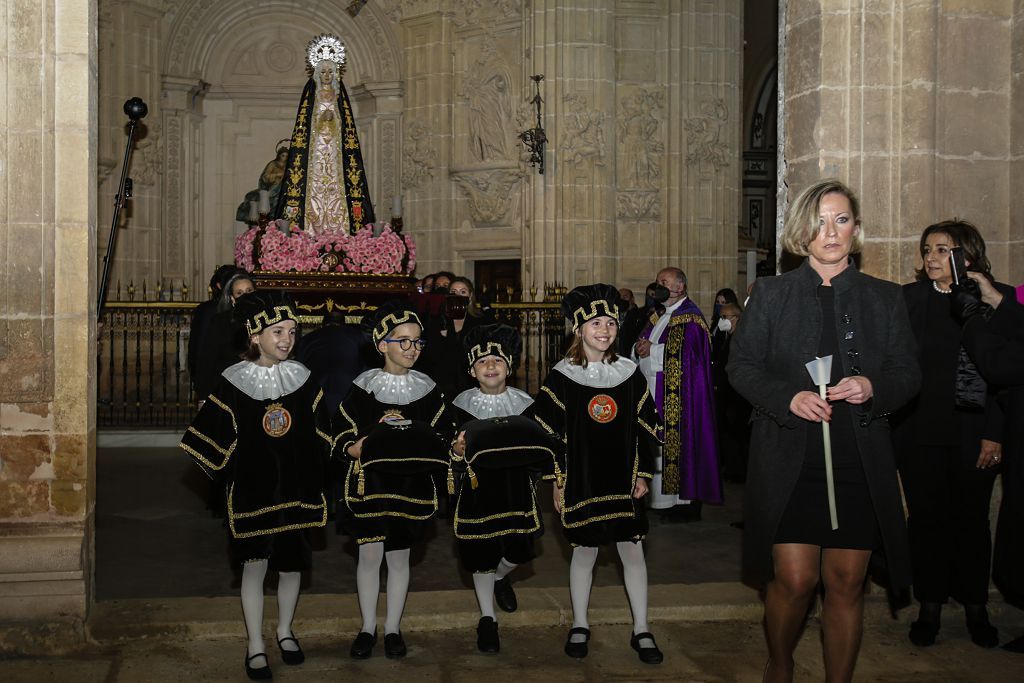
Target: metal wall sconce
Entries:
(535, 138)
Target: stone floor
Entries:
(155, 538)
(167, 608)
(694, 651)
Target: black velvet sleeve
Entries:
(352, 421)
(549, 411)
(649, 435)
(212, 437)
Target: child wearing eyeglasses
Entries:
(386, 511)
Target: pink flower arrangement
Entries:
(387, 253)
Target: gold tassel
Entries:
(472, 477)
(361, 485)
(559, 477)
(451, 481)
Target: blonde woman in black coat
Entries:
(824, 307)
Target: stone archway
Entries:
(230, 94)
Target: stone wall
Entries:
(912, 103)
(47, 352)
(642, 112)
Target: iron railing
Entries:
(143, 378)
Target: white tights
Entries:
(483, 584)
(634, 570)
(253, 575)
(368, 585)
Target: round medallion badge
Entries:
(602, 408)
(277, 420)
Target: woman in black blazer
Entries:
(948, 443)
(824, 307)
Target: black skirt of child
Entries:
(611, 530)
(485, 555)
(286, 551)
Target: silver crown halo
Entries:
(325, 46)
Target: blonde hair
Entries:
(802, 218)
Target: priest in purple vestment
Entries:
(674, 354)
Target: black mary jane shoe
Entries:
(487, 636)
(261, 673)
(577, 650)
(291, 657)
(504, 596)
(362, 646)
(923, 633)
(648, 655)
(394, 646)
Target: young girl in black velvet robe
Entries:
(600, 405)
(264, 434)
(383, 510)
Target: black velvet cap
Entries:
(590, 301)
(261, 309)
(387, 317)
(493, 340)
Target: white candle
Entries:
(264, 202)
(396, 205)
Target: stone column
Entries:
(184, 193)
(47, 348)
(922, 134)
(571, 234)
(426, 137)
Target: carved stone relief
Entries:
(583, 133)
(487, 90)
(703, 133)
(640, 139)
(481, 12)
(490, 195)
(418, 156)
(147, 162)
(637, 205)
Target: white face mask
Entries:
(724, 324)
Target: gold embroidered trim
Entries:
(673, 410)
(353, 428)
(325, 437)
(217, 402)
(281, 506)
(382, 329)
(583, 314)
(316, 401)
(601, 518)
(554, 398)
(266, 532)
(438, 416)
(645, 475)
(198, 456)
(492, 349)
(545, 425)
(262, 320)
(598, 499)
(510, 448)
(371, 539)
(226, 452)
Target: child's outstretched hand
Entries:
(557, 495)
(356, 449)
(459, 445)
(640, 489)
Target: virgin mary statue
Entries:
(324, 187)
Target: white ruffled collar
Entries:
(267, 383)
(482, 406)
(601, 375)
(396, 390)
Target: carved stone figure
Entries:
(419, 157)
(584, 133)
(702, 135)
(640, 140)
(488, 90)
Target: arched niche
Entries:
(233, 74)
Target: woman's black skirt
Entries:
(806, 518)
